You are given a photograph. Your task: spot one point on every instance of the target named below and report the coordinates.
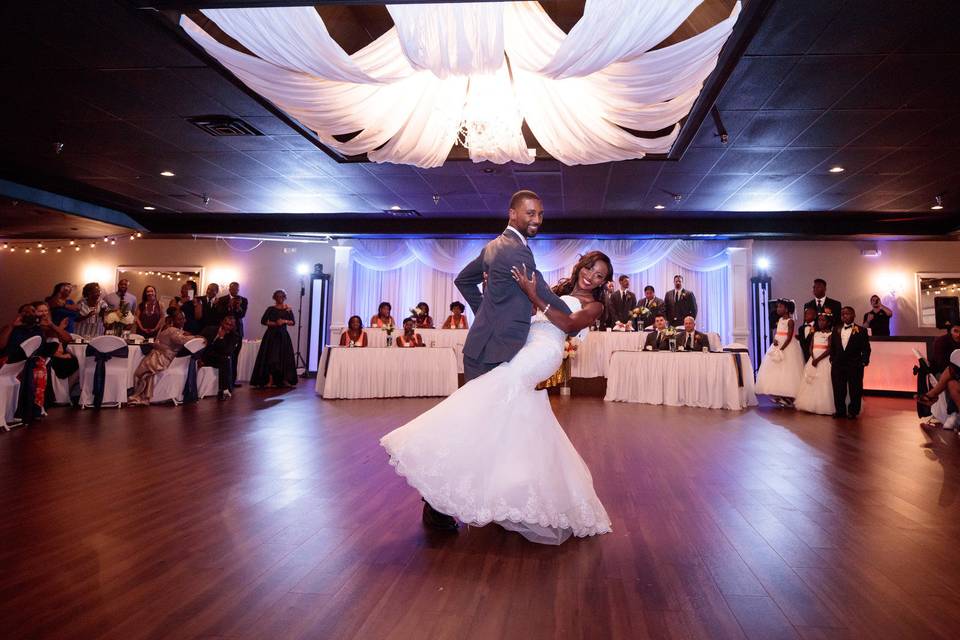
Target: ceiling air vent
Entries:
(224, 126)
(402, 213)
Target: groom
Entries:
(502, 310)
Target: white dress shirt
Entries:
(845, 335)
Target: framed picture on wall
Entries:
(938, 299)
(166, 279)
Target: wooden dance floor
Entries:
(276, 515)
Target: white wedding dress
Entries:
(494, 452)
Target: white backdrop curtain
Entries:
(406, 272)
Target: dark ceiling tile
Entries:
(715, 185)
(210, 83)
(753, 80)
(182, 134)
(702, 202)
(695, 160)
(766, 184)
(837, 128)
(504, 185)
(810, 184)
(905, 160)
(869, 26)
(938, 30)
(675, 183)
(450, 183)
(390, 169)
(940, 84)
(944, 135)
(893, 83)
(286, 163)
(788, 28)
(852, 159)
(256, 143)
(733, 121)
(817, 83)
(775, 128)
(743, 161)
(239, 163)
(405, 185)
(795, 161)
(901, 128)
(318, 185)
(542, 183)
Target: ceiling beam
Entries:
(20, 192)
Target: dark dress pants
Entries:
(844, 377)
(474, 368)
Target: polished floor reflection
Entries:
(275, 515)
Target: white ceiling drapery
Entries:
(474, 72)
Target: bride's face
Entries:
(593, 276)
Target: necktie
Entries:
(848, 326)
(690, 342)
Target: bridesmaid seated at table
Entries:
(383, 319)
(170, 340)
(410, 337)
(422, 318)
(354, 335)
(456, 320)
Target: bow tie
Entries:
(848, 326)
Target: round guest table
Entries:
(134, 356)
(388, 372)
(694, 379)
(246, 359)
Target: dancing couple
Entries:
(494, 451)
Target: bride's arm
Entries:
(566, 322)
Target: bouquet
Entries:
(642, 312)
(416, 311)
(570, 348)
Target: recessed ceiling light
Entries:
(167, 174)
(148, 208)
(659, 206)
(395, 207)
(837, 169)
(938, 203)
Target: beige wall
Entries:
(259, 271)
(852, 278)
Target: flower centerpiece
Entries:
(119, 320)
(389, 329)
(670, 333)
(623, 326)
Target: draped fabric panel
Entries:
(406, 272)
(442, 76)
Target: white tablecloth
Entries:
(697, 379)
(452, 338)
(246, 359)
(593, 355)
(388, 372)
(134, 356)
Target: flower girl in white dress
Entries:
(494, 451)
(816, 389)
(782, 367)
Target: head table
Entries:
(386, 372)
(693, 379)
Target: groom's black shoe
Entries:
(436, 520)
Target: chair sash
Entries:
(737, 364)
(146, 348)
(100, 373)
(190, 392)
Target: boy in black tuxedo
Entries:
(849, 354)
(807, 329)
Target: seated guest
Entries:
(949, 382)
(383, 319)
(354, 335)
(943, 347)
(61, 306)
(276, 362)
(49, 328)
(658, 340)
(122, 296)
(422, 317)
(806, 330)
(410, 337)
(219, 352)
(878, 318)
(690, 339)
(90, 312)
(456, 319)
(849, 354)
(148, 315)
(165, 349)
(652, 303)
(24, 326)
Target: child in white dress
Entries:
(782, 367)
(816, 389)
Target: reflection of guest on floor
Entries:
(276, 362)
(456, 319)
(354, 335)
(410, 337)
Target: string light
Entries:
(55, 246)
(76, 248)
(72, 243)
(139, 235)
(43, 250)
(59, 249)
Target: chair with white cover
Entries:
(208, 382)
(169, 383)
(76, 337)
(116, 372)
(61, 386)
(9, 393)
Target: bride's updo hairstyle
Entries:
(566, 285)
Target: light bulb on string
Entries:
(113, 242)
(39, 245)
(76, 248)
(27, 250)
(43, 250)
(72, 243)
(93, 244)
(106, 239)
(139, 235)
(59, 249)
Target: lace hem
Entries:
(589, 518)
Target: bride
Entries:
(494, 451)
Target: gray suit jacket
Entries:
(502, 313)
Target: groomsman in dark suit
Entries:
(658, 340)
(653, 303)
(849, 354)
(680, 303)
(821, 302)
(623, 301)
(234, 305)
(805, 330)
(691, 339)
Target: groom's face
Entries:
(527, 217)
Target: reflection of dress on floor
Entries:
(780, 376)
(816, 389)
(494, 451)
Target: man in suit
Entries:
(679, 303)
(234, 305)
(502, 309)
(658, 340)
(690, 339)
(849, 354)
(222, 341)
(209, 316)
(623, 301)
(652, 303)
(821, 302)
(805, 330)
